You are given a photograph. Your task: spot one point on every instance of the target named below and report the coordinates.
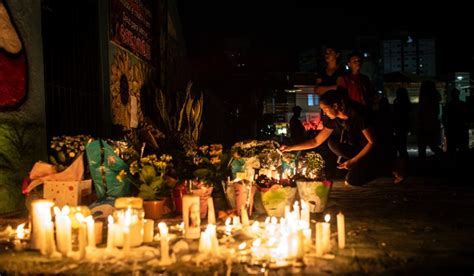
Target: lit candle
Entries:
(341, 231)
(41, 213)
(236, 222)
(20, 231)
(98, 226)
(48, 244)
(228, 227)
(319, 239)
(82, 235)
(90, 232)
(63, 229)
(211, 215)
(326, 234)
(245, 216)
(191, 216)
(148, 232)
(126, 232)
(165, 258)
(304, 212)
(110, 233)
(296, 210)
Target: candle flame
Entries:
(267, 220)
(257, 242)
(65, 211)
(274, 220)
(242, 246)
(79, 217)
(56, 210)
(20, 231)
(327, 218)
(163, 229)
(227, 222)
(111, 220)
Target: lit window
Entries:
(310, 99)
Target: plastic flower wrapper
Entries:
(311, 166)
(124, 149)
(64, 149)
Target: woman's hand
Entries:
(285, 148)
(346, 165)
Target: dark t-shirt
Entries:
(352, 127)
(296, 130)
(327, 80)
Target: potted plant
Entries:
(313, 187)
(150, 173)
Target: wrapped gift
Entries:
(72, 193)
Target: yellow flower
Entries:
(215, 160)
(121, 175)
(204, 148)
(216, 152)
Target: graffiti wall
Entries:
(22, 109)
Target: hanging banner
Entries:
(131, 26)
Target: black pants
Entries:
(366, 170)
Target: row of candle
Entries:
(127, 231)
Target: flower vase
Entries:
(204, 192)
(315, 193)
(177, 194)
(276, 198)
(241, 193)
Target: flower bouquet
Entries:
(313, 187)
(208, 165)
(64, 149)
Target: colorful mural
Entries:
(13, 68)
(128, 74)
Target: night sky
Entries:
(291, 27)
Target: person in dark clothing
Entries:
(456, 123)
(429, 126)
(401, 121)
(358, 86)
(327, 78)
(356, 142)
(297, 130)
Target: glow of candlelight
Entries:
(242, 246)
(327, 218)
(20, 231)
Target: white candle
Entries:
(82, 235)
(341, 231)
(41, 213)
(228, 227)
(110, 233)
(236, 222)
(126, 232)
(245, 216)
(205, 242)
(319, 239)
(165, 258)
(148, 231)
(304, 212)
(98, 226)
(296, 210)
(63, 229)
(48, 246)
(191, 217)
(211, 215)
(90, 232)
(326, 234)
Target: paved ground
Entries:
(424, 225)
